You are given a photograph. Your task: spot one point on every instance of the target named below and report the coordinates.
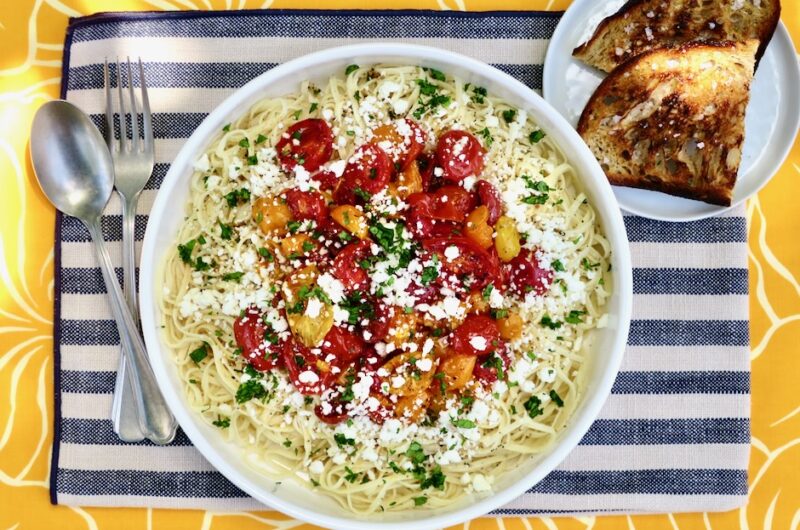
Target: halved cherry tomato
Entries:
(299, 362)
(378, 327)
(308, 143)
(327, 180)
(489, 197)
(425, 165)
(344, 345)
(460, 155)
(481, 266)
(346, 266)
(525, 275)
(478, 335)
(307, 205)
(333, 412)
(485, 370)
(368, 170)
(406, 139)
(249, 332)
(452, 203)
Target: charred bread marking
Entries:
(672, 120)
(643, 25)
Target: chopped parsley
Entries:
(478, 94)
(252, 389)
(349, 475)
(574, 317)
(487, 136)
(533, 406)
(350, 69)
(487, 292)
(293, 226)
(261, 139)
(509, 115)
(558, 266)
(462, 423)
(362, 194)
(588, 265)
(287, 443)
(419, 501)
(222, 422)
(436, 74)
(342, 440)
(252, 160)
(185, 250)
(556, 398)
(199, 354)
(436, 479)
(225, 231)
(232, 276)
(235, 197)
(312, 108)
(536, 136)
(266, 254)
(549, 322)
(226, 128)
(428, 275)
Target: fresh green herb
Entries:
(252, 160)
(497, 314)
(261, 139)
(436, 479)
(297, 135)
(314, 482)
(394, 467)
(556, 398)
(574, 317)
(350, 69)
(536, 136)
(199, 354)
(313, 107)
(287, 443)
(297, 114)
(426, 88)
(308, 246)
(342, 440)
(496, 362)
(357, 95)
(222, 422)
(201, 265)
(236, 196)
(350, 133)
(244, 142)
(436, 74)
(589, 266)
(419, 501)
(536, 199)
(362, 194)
(478, 94)
(464, 423)
(509, 115)
(232, 276)
(487, 136)
(225, 231)
(487, 292)
(293, 226)
(266, 254)
(415, 453)
(185, 250)
(428, 275)
(226, 128)
(558, 266)
(201, 240)
(350, 476)
(549, 322)
(252, 389)
(533, 406)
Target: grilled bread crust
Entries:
(672, 120)
(643, 25)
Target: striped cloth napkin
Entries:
(675, 433)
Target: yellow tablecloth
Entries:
(32, 34)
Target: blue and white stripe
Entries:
(674, 434)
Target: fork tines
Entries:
(135, 142)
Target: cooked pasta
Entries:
(384, 286)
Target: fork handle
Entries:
(124, 418)
(155, 419)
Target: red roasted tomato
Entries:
(327, 180)
(299, 361)
(378, 327)
(489, 197)
(406, 137)
(308, 143)
(249, 332)
(346, 266)
(493, 367)
(460, 155)
(369, 169)
(478, 335)
(307, 205)
(481, 266)
(525, 275)
(344, 345)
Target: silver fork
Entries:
(133, 163)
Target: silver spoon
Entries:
(74, 169)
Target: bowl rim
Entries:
(606, 207)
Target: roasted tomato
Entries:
(347, 265)
(309, 373)
(478, 335)
(525, 275)
(460, 155)
(493, 367)
(489, 197)
(368, 170)
(403, 140)
(327, 180)
(307, 143)
(425, 164)
(378, 327)
(260, 349)
(472, 261)
(448, 203)
(307, 205)
(342, 344)
(332, 411)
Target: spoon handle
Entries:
(156, 421)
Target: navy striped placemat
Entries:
(673, 436)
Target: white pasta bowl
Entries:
(168, 214)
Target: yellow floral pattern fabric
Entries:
(32, 33)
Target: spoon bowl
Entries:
(71, 161)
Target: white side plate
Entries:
(771, 123)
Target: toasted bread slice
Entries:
(643, 25)
(672, 120)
